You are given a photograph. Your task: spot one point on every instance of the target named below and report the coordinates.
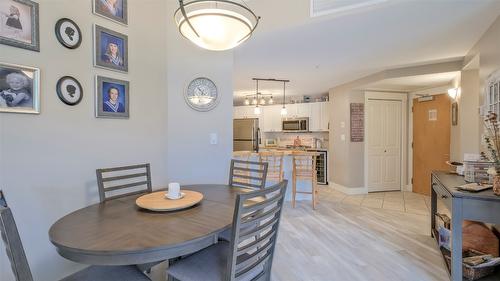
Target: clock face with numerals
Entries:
(201, 94)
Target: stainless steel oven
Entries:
(295, 124)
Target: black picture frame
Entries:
(60, 37)
(63, 94)
(34, 42)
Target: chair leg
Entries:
(314, 193)
(294, 190)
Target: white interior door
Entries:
(384, 140)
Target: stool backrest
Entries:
(275, 162)
(254, 232)
(304, 164)
(123, 181)
(13, 244)
(248, 174)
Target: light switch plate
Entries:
(213, 139)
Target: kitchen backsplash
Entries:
(307, 139)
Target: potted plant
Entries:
(492, 143)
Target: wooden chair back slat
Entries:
(275, 161)
(248, 174)
(13, 244)
(304, 168)
(127, 180)
(254, 231)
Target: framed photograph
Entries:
(19, 89)
(68, 33)
(110, 49)
(112, 98)
(115, 10)
(69, 90)
(19, 25)
(454, 114)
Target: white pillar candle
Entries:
(174, 190)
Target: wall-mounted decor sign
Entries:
(112, 98)
(454, 114)
(69, 90)
(110, 49)
(201, 94)
(357, 122)
(68, 33)
(19, 89)
(115, 10)
(19, 25)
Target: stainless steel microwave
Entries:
(295, 124)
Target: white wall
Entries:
(48, 161)
(191, 157)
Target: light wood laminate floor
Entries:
(346, 241)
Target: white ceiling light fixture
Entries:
(283, 109)
(215, 25)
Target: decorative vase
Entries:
(496, 185)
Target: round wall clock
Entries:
(69, 90)
(68, 33)
(202, 94)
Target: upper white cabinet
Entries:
(270, 118)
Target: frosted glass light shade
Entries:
(284, 111)
(257, 110)
(218, 25)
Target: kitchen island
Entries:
(302, 185)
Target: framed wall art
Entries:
(112, 98)
(19, 89)
(115, 10)
(19, 26)
(69, 90)
(68, 33)
(110, 49)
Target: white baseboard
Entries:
(408, 188)
(348, 190)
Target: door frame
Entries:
(390, 96)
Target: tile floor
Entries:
(407, 202)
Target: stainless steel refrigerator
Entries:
(246, 135)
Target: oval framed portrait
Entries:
(202, 94)
(68, 33)
(69, 90)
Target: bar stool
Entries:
(304, 168)
(275, 165)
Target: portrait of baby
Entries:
(18, 89)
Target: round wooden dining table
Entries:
(117, 232)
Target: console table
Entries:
(482, 206)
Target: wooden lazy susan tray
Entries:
(158, 202)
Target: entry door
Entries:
(384, 139)
(431, 140)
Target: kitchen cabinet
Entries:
(315, 117)
(272, 118)
(325, 117)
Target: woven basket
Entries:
(471, 273)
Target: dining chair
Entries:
(21, 269)
(249, 254)
(274, 159)
(304, 168)
(123, 181)
(248, 174)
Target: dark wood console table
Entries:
(482, 206)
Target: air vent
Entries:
(326, 7)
